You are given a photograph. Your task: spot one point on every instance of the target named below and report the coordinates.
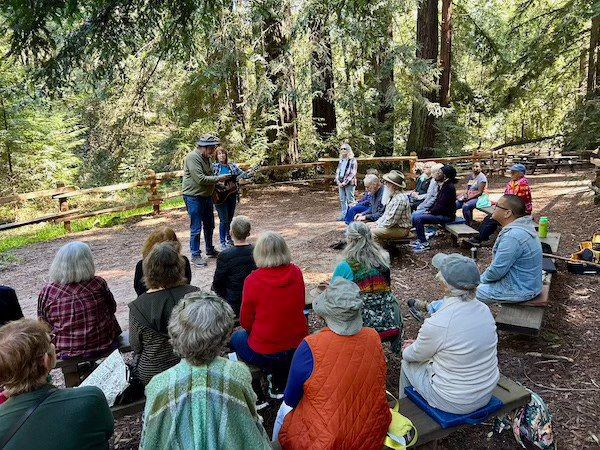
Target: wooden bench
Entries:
(461, 231)
(513, 396)
(526, 318)
(75, 370)
(488, 210)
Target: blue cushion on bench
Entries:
(458, 221)
(448, 420)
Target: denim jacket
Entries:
(516, 270)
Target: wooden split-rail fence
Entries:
(325, 168)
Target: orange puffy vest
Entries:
(344, 405)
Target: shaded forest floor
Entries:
(305, 216)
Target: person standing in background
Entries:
(345, 178)
(198, 187)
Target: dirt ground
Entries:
(305, 216)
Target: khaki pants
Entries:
(385, 235)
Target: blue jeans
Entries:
(277, 364)
(420, 220)
(346, 198)
(358, 209)
(226, 211)
(467, 209)
(200, 210)
(487, 228)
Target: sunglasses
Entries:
(501, 207)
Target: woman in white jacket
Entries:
(453, 362)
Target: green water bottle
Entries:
(543, 227)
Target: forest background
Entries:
(94, 92)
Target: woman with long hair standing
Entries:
(345, 178)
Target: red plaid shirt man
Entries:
(82, 317)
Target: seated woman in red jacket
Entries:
(337, 380)
(272, 313)
(78, 305)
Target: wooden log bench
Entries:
(513, 396)
(527, 317)
(460, 231)
(75, 370)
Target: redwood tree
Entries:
(446, 52)
(421, 138)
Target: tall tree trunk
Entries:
(280, 71)
(386, 93)
(322, 82)
(592, 81)
(446, 52)
(7, 148)
(421, 137)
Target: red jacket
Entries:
(273, 309)
(344, 405)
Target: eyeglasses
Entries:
(501, 207)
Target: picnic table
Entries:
(548, 162)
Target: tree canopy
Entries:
(97, 91)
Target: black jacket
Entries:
(445, 202)
(233, 266)
(138, 278)
(9, 306)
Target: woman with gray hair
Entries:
(345, 178)
(78, 305)
(164, 276)
(272, 314)
(367, 264)
(453, 363)
(205, 401)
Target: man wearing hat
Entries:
(443, 209)
(453, 362)
(519, 186)
(321, 389)
(396, 220)
(198, 187)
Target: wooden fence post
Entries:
(154, 198)
(63, 206)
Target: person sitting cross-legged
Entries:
(475, 187)
(64, 419)
(334, 407)
(395, 222)
(78, 305)
(515, 274)
(205, 401)
(453, 363)
(519, 186)
(443, 209)
(149, 313)
(272, 313)
(234, 265)
(370, 208)
(367, 264)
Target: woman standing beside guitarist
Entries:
(226, 198)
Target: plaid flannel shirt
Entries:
(397, 213)
(82, 316)
(521, 189)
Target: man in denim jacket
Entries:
(515, 274)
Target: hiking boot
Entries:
(274, 391)
(213, 253)
(198, 261)
(416, 314)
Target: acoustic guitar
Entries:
(229, 186)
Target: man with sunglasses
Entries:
(515, 274)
